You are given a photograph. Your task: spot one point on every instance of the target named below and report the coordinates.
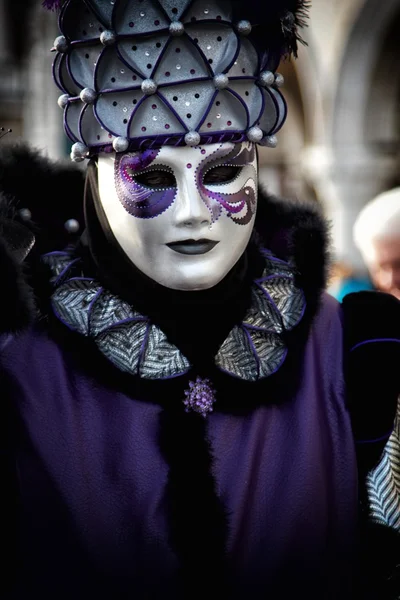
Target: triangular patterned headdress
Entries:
(139, 74)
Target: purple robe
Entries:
(91, 477)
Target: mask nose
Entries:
(190, 208)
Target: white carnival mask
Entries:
(183, 216)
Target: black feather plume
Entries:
(276, 23)
(291, 23)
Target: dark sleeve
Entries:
(17, 310)
(379, 563)
(372, 359)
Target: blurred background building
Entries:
(341, 143)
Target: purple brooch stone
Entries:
(199, 397)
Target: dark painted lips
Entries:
(192, 246)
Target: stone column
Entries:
(42, 115)
(358, 176)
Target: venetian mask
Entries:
(184, 215)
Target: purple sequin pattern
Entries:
(138, 200)
(200, 397)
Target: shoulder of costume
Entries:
(298, 232)
(371, 323)
(37, 198)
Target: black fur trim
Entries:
(379, 564)
(17, 306)
(276, 24)
(51, 190)
(298, 233)
(198, 523)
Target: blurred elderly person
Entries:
(377, 236)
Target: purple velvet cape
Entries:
(91, 477)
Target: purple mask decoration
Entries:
(139, 200)
(147, 202)
(175, 212)
(234, 203)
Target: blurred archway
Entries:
(365, 124)
(281, 167)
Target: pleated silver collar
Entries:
(253, 350)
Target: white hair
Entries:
(379, 219)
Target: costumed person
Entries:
(185, 415)
(376, 234)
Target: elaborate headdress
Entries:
(145, 73)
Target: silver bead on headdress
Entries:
(138, 75)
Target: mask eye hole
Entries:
(221, 174)
(155, 179)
